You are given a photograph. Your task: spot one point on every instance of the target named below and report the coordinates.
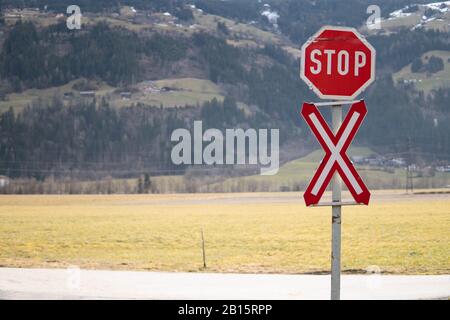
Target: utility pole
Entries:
(409, 173)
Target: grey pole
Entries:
(336, 219)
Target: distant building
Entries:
(68, 95)
(358, 159)
(377, 161)
(87, 94)
(150, 87)
(4, 181)
(398, 162)
(125, 95)
(443, 169)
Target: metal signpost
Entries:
(338, 64)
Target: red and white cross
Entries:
(335, 159)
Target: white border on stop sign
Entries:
(316, 90)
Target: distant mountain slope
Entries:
(222, 69)
(429, 16)
(425, 80)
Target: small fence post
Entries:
(203, 249)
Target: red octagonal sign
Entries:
(338, 63)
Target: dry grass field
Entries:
(272, 232)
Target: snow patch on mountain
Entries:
(423, 12)
(272, 16)
(399, 14)
(439, 6)
(442, 7)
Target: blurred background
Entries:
(89, 108)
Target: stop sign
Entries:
(338, 63)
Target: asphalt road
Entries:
(93, 284)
